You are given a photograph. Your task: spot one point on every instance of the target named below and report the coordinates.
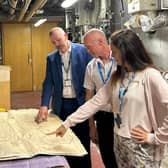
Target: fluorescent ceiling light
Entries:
(39, 22)
(68, 3)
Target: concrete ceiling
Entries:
(30, 10)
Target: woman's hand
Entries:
(60, 131)
(139, 135)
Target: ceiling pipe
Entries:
(37, 5)
(13, 4)
(102, 8)
(23, 11)
(43, 3)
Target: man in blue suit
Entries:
(64, 84)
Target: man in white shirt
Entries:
(98, 72)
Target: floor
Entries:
(32, 100)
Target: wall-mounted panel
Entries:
(164, 4)
(142, 5)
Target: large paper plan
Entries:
(22, 137)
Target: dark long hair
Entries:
(132, 51)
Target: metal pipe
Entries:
(24, 10)
(12, 4)
(37, 5)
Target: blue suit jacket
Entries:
(53, 83)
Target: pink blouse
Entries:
(145, 105)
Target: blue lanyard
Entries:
(108, 74)
(121, 94)
(123, 91)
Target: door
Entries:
(16, 40)
(25, 49)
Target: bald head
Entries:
(94, 34)
(96, 43)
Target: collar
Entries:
(111, 58)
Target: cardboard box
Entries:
(5, 101)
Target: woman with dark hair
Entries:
(139, 98)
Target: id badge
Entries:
(67, 90)
(118, 120)
(67, 83)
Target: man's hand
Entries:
(42, 114)
(139, 135)
(60, 131)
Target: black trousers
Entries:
(82, 132)
(105, 128)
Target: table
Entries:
(36, 162)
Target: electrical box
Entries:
(142, 5)
(164, 4)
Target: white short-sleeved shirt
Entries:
(93, 80)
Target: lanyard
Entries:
(108, 74)
(66, 69)
(123, 91)
(121, 94)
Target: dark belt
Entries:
(69, 101)
(66, 99)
